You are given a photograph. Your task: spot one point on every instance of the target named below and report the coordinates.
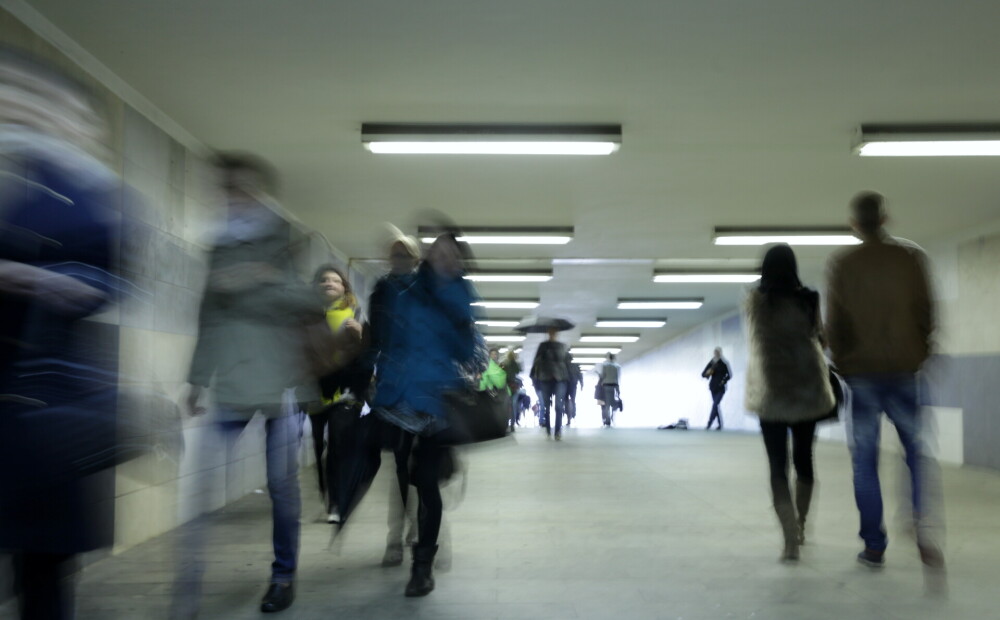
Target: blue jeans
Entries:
(896, 395)
(546, 391)
(282, 455)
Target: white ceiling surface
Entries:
(734, 113)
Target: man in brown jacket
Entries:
(880, 318)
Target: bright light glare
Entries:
(509, 239)
(609, 339)
(630, 323)
(498, 323)
(705, 278)
(931, 148)
(659, 305)
(586, 367)
(594, 350)
(504, 338)
(507, 305)
(503, 147)
(804, 239)
(508, 277)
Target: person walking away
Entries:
(788, 385)
(550, 373)
(432, 335)
(404, 254)
(609, 381)
(718, 373)
(575, 381)
(880, 322)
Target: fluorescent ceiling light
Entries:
(504, 338)
(704, 278)
(490, 139)
(589, 360)
(941, 140)
(507, 304)
(609, 339)
(491, 323)
(521, 276)
(640, 323)
(495, 235)
(594, 350)
(660, 304)
(586, 367)
(814, 235)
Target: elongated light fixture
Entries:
(503, 338)
(507, 304)
(491, 139)
(588, 360)
(625, 323)
(594, 350)
(493, 323)
(660, 304)
(611, 339)
(816, 235)
(495, 235)
(928, 140)
(704, 277)
(509, 276)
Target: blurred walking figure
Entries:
(512, 368)
(880, 318)
(249, 334)
(341, 309)
(550, 373)
(609, 379)
(432, 335)
(718, 373)
(58, 370)
(788, 384)
(575, 381)
(404, 254)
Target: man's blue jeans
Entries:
(897, 396)
(546, 391)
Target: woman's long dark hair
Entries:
(779, 272)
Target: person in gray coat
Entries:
(787, 384)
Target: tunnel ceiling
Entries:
(733, 113)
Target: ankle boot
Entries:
(803, 497)
(790, 529)
(421, 577)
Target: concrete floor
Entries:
(622, 524)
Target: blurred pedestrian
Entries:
(718, 373)
(550, 372)
(512, 368)
(880, 321)
(788, 385)
(58, 370)
(432, 335)
(249, 329)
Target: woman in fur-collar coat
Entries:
(787, 383)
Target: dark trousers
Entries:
(326, 459)
(776, 443)
(716, 413)
(428, 456)
(44, 585)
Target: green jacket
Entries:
(494, 378)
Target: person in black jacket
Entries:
(550, 373)
(718, 373)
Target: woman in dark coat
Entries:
(432, 335)
(787, 383)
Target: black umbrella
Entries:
(354, 455)
(542, 324)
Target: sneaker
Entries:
(333, 517)
(931, 556)
(393, 555)
(558, 436)
(872, 558)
